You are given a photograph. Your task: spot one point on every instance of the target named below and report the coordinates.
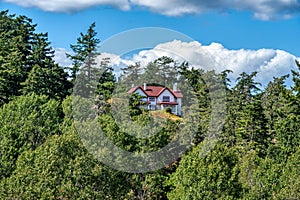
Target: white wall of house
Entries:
(166, 93)
(179, 101)
(140, 92)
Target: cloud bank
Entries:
(69, 5)
(261, 9)
(268, 63)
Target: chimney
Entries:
(145, 86)
(175, 87)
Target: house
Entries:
(159, 97)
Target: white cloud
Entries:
(61, 58)
(262, 9)
(268, 63)
(69, 5)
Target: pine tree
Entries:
(107, 80)
(45, 77)
(168, 70)
(16, 35)
(85, 52)
(296, 80)
(131, 75)
(26, 61)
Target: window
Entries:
(166, 99)
(152, 99)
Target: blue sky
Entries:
(233, 29)
(239, 26)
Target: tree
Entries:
(25, 123)
(247, 118)
(62, 168)
(47, 81)
(251, 131)
(296, 79)
(85, 51)
(16, 37)
(107, 80)
(26, 61)
(246, 88)
(131, 75)
(168, 70)
(289, 181)
(152, 75)
(260, 177)
(275, 100)
(45, 77)
(287, 135)
(211, 176)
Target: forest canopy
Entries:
(256, 156)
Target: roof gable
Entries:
(155, 91)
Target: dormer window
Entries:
(166, 99)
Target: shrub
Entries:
(169, 110)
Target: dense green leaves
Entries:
(26, 61)
(211, 176)
(61, 168)
(256, 154)
(25, 123)
(85, 52)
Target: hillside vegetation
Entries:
(257, 155)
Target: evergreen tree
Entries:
(131, 75)
(107, 80)
(296, 80)
(168, 70)
(45, 77)
(16, 35)
(85, 52)
(26, 61)
(151, 75)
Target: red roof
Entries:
(155, 91)
(178, 94)
(133, 89)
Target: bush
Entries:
(169, 110)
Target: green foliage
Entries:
(289, 181)
(211, 176)
(16, 35)
(45, 77)
(260, 177)
(296, 79)
(251, 128)
(26, 61)
(288, 134)
(107, 81)
(85, 51)
(168, 110)
(48, 81)
(61, 168)
(135, 103)
(25, 123)
(130, 143)
(42, 157)
(269, 179)
(131, 74)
